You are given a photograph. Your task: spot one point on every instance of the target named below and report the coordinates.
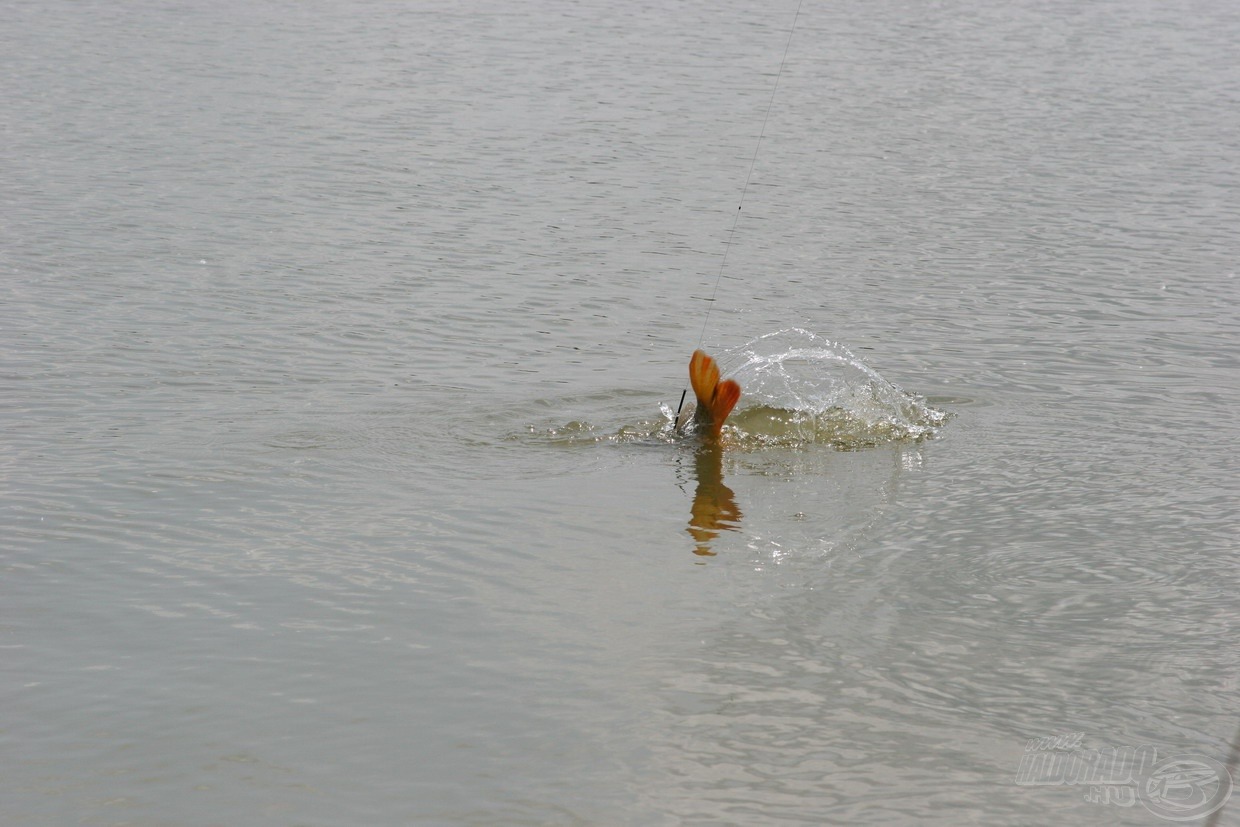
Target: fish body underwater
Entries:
(715, 398)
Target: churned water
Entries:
(339, 345)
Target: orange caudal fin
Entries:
(727, 394)
(704, 376)
(715, 399)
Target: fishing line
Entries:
(736, 219)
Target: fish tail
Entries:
(715, 399)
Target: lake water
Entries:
(334, 485)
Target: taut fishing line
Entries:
(736, 219)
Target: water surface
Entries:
(296, 297)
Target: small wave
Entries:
(576, 432)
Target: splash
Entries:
(801, 388)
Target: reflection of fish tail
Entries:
(715, 399)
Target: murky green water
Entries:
(333, 486)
